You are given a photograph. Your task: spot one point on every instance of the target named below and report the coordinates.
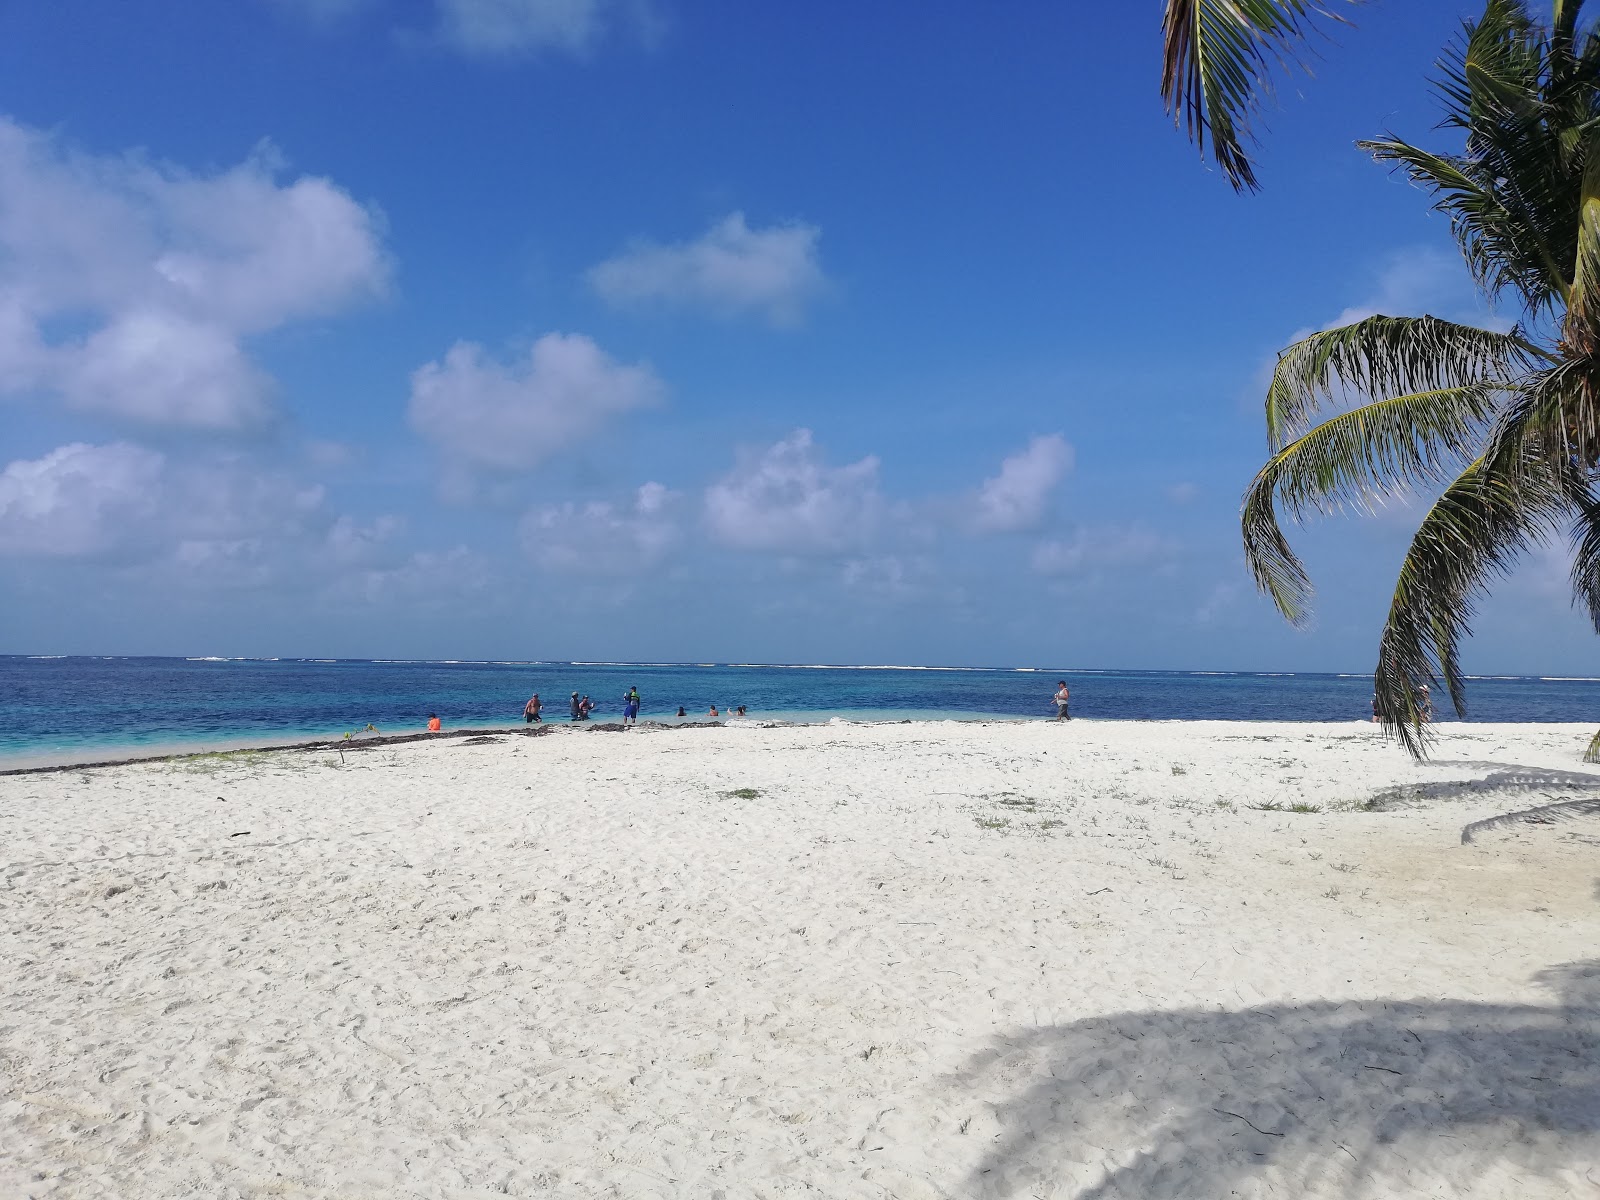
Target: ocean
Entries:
(81, 708)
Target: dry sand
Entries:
(933, 960)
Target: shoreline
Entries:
(15, 765)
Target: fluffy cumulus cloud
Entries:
(126, 503)
(129, 288)
(483, 413)
(1016, 498)
(784, 498)
(730, 269)
(601, 538)
(76, 501)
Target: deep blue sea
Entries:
(77, 709)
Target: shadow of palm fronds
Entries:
(1501, 777)
(1545, 814)
(1330, 1099)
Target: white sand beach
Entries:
(925, 960)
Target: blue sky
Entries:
(658, 329)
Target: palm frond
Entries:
(1554, 418)
(1472, 534)
(1353, 461)
(1502, 248)
(1581, 332)
(1586, 565)
(1385, 356)
(1518, 98)
(1217, 57)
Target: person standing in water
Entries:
(1063, 699)
(577, 707)
(530, 710)
(630, 706)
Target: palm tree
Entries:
(1507, 424)
(1216, 65)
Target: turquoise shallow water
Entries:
(71, 708)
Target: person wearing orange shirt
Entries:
(433, 723)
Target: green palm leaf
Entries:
(1383, 356)
(1523, 200)
(1354, 461)
(1472, 535)
(1216, 60)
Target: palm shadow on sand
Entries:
(1393, 1097)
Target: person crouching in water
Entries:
(1063, 700)
(530, 710)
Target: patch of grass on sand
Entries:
(744, 793)
(217, 760)
(991, 822)
(1011, 800)
(1298, 806)
(1051, 823)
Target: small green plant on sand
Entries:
(991, 822)
(351, 735)
(1051, 823)
(1177, 770)
(744, 793)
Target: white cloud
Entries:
(601, 538)
(785, 499)
(514, 416)
(1016, 498)
(1183, 493)
(128, 287)
(73, 502)
(1091, 550)
(1416, 280)
(128, 503)
(502, 27)
(731, 269)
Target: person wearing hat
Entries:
(577, 707)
